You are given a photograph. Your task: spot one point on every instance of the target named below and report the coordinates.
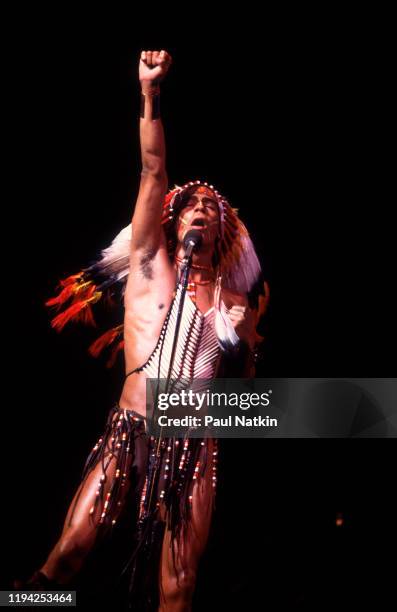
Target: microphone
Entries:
(192, 241)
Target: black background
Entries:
(289, 117)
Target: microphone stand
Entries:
(184, 277)
(186, 266)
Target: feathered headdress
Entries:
(238, 269)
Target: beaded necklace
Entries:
(192, 285)
(192, 288)
(194, 266)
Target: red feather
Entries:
(105, 340)
(113, 355)
(71, 285)
(62, 297)
(70, 280)
(79, 311)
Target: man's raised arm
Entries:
(146, 221)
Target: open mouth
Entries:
(198, 223)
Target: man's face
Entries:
(201, 213)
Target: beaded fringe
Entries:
(118, 440)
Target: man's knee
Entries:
(180, 586)
(72, 549)
(67, 557)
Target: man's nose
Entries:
(199, 205)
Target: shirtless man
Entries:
(149, 296)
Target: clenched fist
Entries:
(153, 66)
(242, 321)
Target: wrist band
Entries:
(155, 95)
